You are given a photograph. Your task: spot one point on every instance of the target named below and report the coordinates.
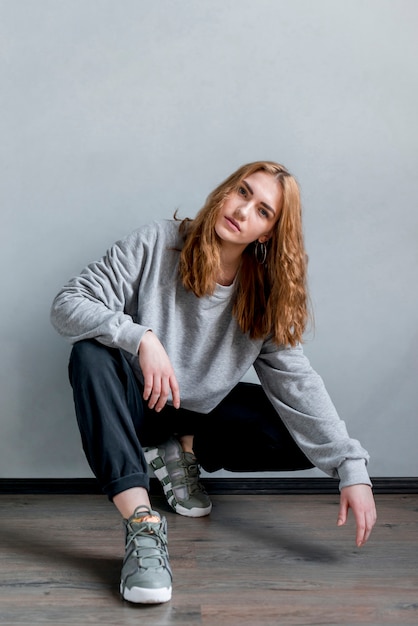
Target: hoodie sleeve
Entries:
(299, 396)
(101, 303)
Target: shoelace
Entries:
(148, 530)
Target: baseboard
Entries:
(388, 485)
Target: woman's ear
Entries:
(265, 238)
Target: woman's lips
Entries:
(233, 223)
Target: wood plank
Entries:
(257, 559)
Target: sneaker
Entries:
(146, 575)
(178, 472)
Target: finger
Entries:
(162, 400)
(370, 520)
(342, 513)
(367, 533)
(175, 391)
(148, 384)
(156, 391)
(361, 533)
(365, 525)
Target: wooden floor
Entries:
(256, 560)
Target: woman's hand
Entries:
(360, 499)
(159, 377)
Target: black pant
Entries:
(243, 433)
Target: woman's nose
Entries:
(242, 210)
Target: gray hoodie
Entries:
(135, 287)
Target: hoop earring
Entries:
(260, 252)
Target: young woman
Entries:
(164, 327)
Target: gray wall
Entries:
(117, 112)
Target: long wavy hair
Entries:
(270, 298)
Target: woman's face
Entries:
(251, 211)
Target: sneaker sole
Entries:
(196, 512)
(142, 595)
(151, 455)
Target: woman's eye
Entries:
(264, 212)
(242, 191)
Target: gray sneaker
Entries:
(146, 575)
(178, 473)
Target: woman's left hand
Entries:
(360, 499)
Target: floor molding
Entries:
(388, 485)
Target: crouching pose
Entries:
(164, 328)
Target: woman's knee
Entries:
(89, 356)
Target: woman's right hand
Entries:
(158, 373)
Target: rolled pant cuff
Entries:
(126, 482)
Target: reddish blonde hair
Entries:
(271, 298)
